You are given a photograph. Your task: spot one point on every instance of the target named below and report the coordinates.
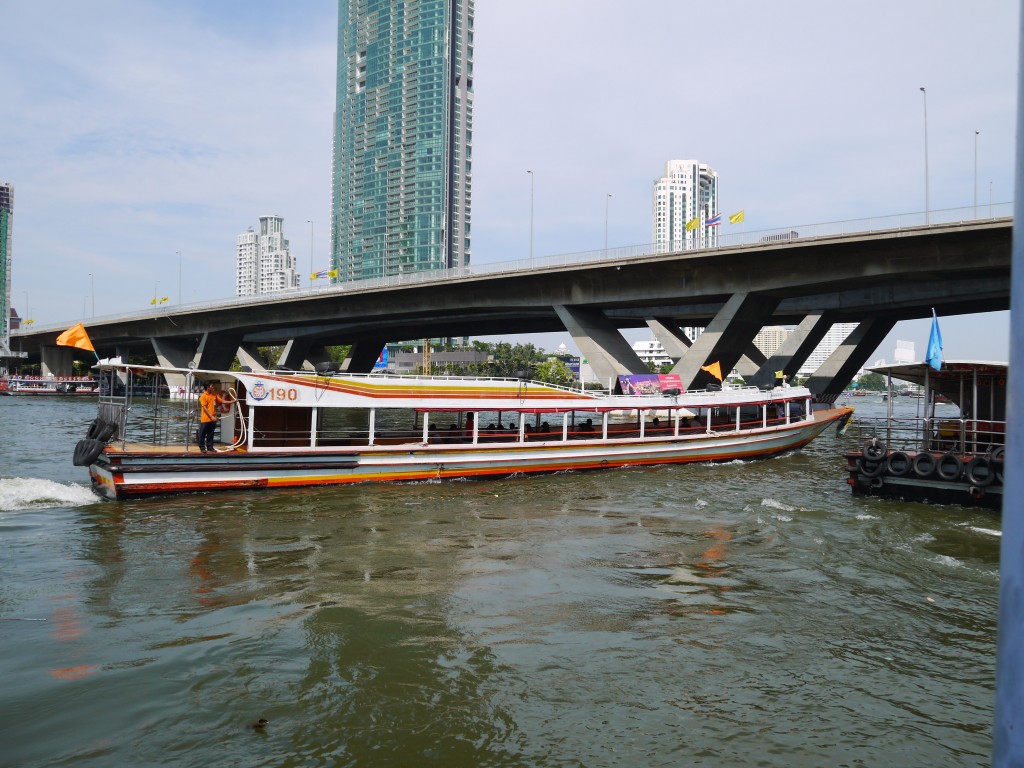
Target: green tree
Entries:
(554, 372)
(871, 382)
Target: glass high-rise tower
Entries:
(402, 137)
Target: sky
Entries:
(142, 137)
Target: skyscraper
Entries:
(6, 209)
(402, 137)
(264, 263)
(688, 192)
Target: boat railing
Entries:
(937, 434)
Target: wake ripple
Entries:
(35, 493)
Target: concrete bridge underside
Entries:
(874, 280)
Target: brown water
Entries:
(743, 614)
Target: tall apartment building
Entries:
(264, 263)
(833, 340)
(687, 192)
(402, 137)
(6, 211)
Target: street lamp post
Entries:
(607, 198)
(531, 214)
(180, 297)
(311, 272)
(927, 208)
(92, 290)
(976, 173)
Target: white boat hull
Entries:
(121, 473)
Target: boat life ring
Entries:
(898, 463)
(874, 450)
(870, 468)
(924, 465)
(980, 472)
(949, 467)
(86, 452)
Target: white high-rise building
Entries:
(687, 192)
(263, 262)
(833, 339)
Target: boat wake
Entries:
(34, 493)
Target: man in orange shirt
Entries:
(209, 413)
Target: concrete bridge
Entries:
(872, 278)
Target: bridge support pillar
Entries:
(173, 353)
(833, 375)
(726, 338)
(606, 350)
(55, 361)
(364, 354)
(670, 335)
(250, 357)
(794, 352)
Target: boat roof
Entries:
(960, 381)
(455, 393)
(951, 370)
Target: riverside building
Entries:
(402, 137)
(264, 263)
(686, 195)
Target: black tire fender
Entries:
(924, 465)
(997, 454)
(94, 428)
(980, 472)
(86, 452)
(870, 468)
(107, 432)
(949, 466)
(898, 464)
(874, 450)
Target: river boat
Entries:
(286, 429)
(48, 386)
(938, 457)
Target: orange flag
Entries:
(76, 337)
(714, 369)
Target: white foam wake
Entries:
(34, 493)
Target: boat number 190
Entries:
(280, 393)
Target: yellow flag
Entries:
(76, 337)
(715, 369)
(736, 218)
(165, 299)
(332, 273)
(692, 224)
(779, 374)
(153, 300)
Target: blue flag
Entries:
(934, 354)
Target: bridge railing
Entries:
(726, 236)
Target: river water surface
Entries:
(740, 614)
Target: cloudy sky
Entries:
(142, 137)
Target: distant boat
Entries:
(48, 386)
